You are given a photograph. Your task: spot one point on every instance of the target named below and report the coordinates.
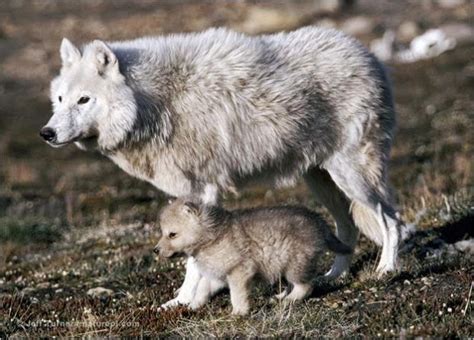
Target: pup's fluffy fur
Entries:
(234, 246)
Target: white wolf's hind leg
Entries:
(328, 194)
(372, 212)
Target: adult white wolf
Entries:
(201, 114)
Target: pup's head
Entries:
(185, 226)
(91, 102)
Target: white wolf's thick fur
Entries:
(201, 114)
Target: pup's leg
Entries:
(239, 281)
(188, 288)
(205, 290)
(328, 194)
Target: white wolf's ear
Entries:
(104, 57)
(69, 53)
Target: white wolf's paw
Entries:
(173, 303)
(384, 269)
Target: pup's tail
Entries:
(335, 245)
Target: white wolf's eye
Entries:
(83, 100)
(172, 235)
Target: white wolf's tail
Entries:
(366, 220)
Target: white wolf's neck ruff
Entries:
(114, 130)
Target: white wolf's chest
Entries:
(159, 171)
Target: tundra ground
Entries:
(72, 221)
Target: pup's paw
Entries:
(281, 295)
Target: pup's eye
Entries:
(60, 99)
(83, 100)
(171, 235)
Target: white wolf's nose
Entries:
(48, 134)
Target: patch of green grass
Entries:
(28, 230)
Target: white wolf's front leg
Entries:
(188, 288)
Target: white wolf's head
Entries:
(91, 101)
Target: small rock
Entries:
(430, 109)
(27, 290)
(327, 23)
(263, 19)
(269, 196)
(407, 31)
(451, 3)
(328, 5)
(358, 25)
(43, 285)
(100, 292)
(383, 47)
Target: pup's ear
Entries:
(70, 54)
(191, 208)
(104, 58)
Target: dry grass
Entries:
(71, 221)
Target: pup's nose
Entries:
(156, 250)
(48, 134)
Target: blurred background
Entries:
(51, 198)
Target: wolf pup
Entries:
(234, 246)
(207, 113)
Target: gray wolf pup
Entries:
(206, 113)
(235, 246)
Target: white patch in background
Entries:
(430, 44)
